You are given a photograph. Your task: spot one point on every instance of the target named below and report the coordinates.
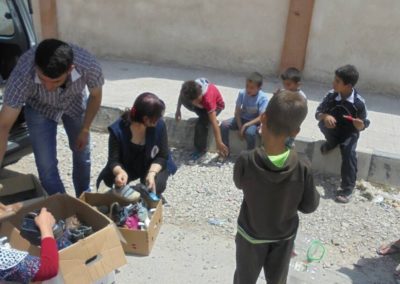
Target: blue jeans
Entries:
(43, 134)
(250, 133)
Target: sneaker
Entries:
(196, 156)
(343, 196)
(127, 192)
(146, 192)
(118, 214)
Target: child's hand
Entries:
(45, 221)
(330, 121)
(121, 179)
(243, 129)
(358, 123)
(222, 149)
(178, 115)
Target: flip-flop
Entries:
(390, 249)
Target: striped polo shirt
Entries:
(24, 87)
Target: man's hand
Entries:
(178, 115)
(151, 181)
(222, 149)
(329, 121)
(358, 124)
(82, 140)
(121, 179)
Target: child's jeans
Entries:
(251, 258)
(348, 145)
(201, 128)
(250, 133)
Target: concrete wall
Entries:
(365, 33)
(224, 34)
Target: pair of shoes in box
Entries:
(133, 194)
(63, 234)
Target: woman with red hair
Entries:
(138, 147)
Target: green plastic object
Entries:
(316, 251)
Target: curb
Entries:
(373, 166)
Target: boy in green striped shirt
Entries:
(276, 185)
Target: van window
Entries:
(6, 22)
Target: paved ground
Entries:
(126, 80)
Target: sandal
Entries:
(392, 248)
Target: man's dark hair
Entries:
(286, 112)
(255, 78)
(348, 74)
(146, 104)
(292, 74)
(190, 90)
(53, 57)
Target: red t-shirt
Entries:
(212, 100)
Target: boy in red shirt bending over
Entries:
(204, 99)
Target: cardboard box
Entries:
(16, 187)
(135, 241)
(87, 260)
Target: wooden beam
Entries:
(296, 35)
(48, 18)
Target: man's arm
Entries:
(222, 149)
(8, 116)
(93, 106)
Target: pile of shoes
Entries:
(133, 194)
(134, 216)
(66, 232)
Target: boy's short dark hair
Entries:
(292, 74)
(348, 74)
(255, 78)
(286, 112)
(53, 57)
(190, 90)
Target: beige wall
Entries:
(365, 33)
(36, 19)
(232, 35)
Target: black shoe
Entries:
(146, 192)
(326, 148)
(31, 232)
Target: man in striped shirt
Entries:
(50, 81)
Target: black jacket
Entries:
(272, 195)
(337, 109)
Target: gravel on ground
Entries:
(203, 195)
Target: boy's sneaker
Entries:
(196, 156)
(343, 196)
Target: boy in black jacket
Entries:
(275, 184)
(342, 115)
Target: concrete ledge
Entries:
(374, 166)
